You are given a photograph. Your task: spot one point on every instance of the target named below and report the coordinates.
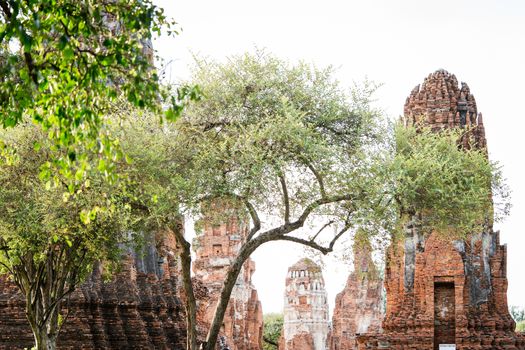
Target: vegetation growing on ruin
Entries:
(443, 186)
(273, 326)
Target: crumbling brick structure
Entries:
(139, 309)
(438, 291)
(223, 232)
(358, 308)
(306, 323)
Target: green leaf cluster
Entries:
(66, 63)
(263, 119)
(273, 326)
(263, 122)
(44, 225)
(449, 187)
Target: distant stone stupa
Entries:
(306, 323)
(358, 308)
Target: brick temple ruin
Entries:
(358, 308)
(441, 292)
(306, 323)
(140, 309)
(223, 232)
(437, 292)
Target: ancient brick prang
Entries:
(440, 103)
(223, 232)
(139, 309)
(358, 308)
(441, 291)
(306, 323)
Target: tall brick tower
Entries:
(217, 246)
(306, 323)
(358, 308)
(443, 294)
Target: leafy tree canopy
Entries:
(48, 244)
(306, 161)
(449, 187)
(64, 63)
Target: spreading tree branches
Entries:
(304, 160)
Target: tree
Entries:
(517, 313)
(273, 326)
(48, 242)
(307, 162)
(65, 62)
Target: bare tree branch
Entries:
(322, 201)
(318, 177)
(321, 229)
(269, 341)
(5, 8)
(255, 219)
(312, 244)
(286, 199)
(275, 234)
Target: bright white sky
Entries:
(397, 43)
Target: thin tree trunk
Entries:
(233, 272)
(229, 283)
(249, 247)
(231, 278)
(190, 302)
(45, 335)
(43, 340)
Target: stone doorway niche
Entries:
(444, 314)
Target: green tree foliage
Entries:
(49, 243)
(273, 326)
(449, 187)
(517, 313)
(65, 62)
(288, 144)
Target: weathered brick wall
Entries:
(139, 309)
(223, 232)
(418, 265)
(358, 307)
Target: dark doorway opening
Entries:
(444, 314)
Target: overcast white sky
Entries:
(397, 43)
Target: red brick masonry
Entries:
(440, 291)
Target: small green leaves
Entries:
(69, 53)
(74, 63)
(62, 42)
(449, 186)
